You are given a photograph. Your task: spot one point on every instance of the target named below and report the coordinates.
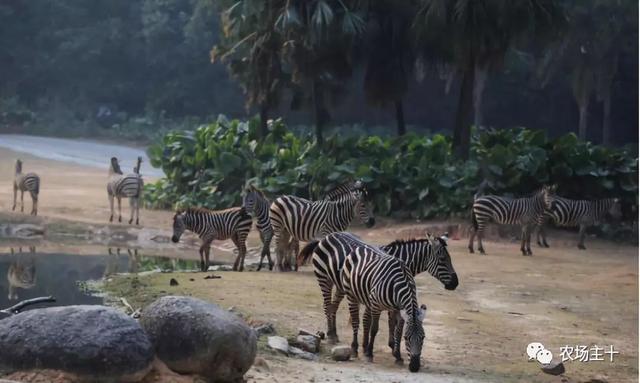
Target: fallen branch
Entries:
(15, 309)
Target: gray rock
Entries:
(279, 344)
(192, 336)
(308, 343)
(295, 351)
(553, 368)
(96, 343)
(341, 353)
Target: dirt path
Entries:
(478, 333)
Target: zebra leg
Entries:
(392, 327)
(542, 237)
(366, 329)
(34, 203)
(262, 254)
(480, 237)
(375, 320)
(325, 287)
(119, 208)
(15, 196)
(138, 210)
(354, 312)
(471, 238)
(132, 207)
(338, 296)
(207, 250)
(581, 235)
(529, 231)
(201, 252)
(21, 201)
(523, 240)
(397, 333)
(282, 245)
(242, 251)
(293, 255)
(111, 206)
(267, 250)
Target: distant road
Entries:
(81, 152)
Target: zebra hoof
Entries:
(119, 219)
(400, 362)
(482, 252)
(332, 339)
(471, 251)
(369, 358)
(546, 245)
(130, 221)
(582, 247)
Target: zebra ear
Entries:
(422, 312)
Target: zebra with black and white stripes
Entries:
(328, 255)
(127, 186)
(257, 204)
(343, 191)
(582, 213)
(303, 220)
(25, 182)
(525, 212)
(209, 225)
(381, 282)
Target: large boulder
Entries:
(96, 343)
(192, 336)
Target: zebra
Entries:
(22, 272)
(382, 282)
(25, 182)
(344, 191)
(303, 220)
(504, 210)
(232, 223)
(583, 213)
(256, 203)
(429, 254)
(128, 186)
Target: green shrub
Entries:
(411, 176)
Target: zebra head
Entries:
(443, 269)
(250, 199)
(178, 226)
(414, 335)
(114, 168)
(548, 193)
(364, 208)
(615, 211)
(18, 166)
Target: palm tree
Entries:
(319, 36)
(475, 35)
(389, 56)
(251, 47)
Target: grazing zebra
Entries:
(128, 186)
(512, 211)
(232, 223)
(429, 254)
(255, 203)
(303, 220)
(382, 282)
(26, 182)
(582, 213)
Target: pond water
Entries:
(25, 273)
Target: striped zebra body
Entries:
(525, 212)
(328, 257)
(256, 204)
(124, 186)
(579, 213)
(382, 282)
(26, 182)
(303, 220)
(210, 225)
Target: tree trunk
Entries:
(402, 129)
(584, 114)
(264, 116)
(606, 117)
(462, 129)
(316, 95)
(478, 92)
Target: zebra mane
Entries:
(252, 188)
(401, 242)
(204, 210)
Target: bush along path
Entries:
(410, 176)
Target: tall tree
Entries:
(319, 38)
(389, 56)
(476, 35)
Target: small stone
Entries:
(553, 368)
(295, 351)
(265, 329)
(341, 353)
(598, 379)
(212, 276)
(463, 319)
(309, 343)
(191, 279)
(279, 344)
(173, 282)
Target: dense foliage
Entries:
(409, 176)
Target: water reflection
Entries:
(22, 271)
(63, 275)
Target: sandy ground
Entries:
(477, 333)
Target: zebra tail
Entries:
(474, 220)
(306, 252)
